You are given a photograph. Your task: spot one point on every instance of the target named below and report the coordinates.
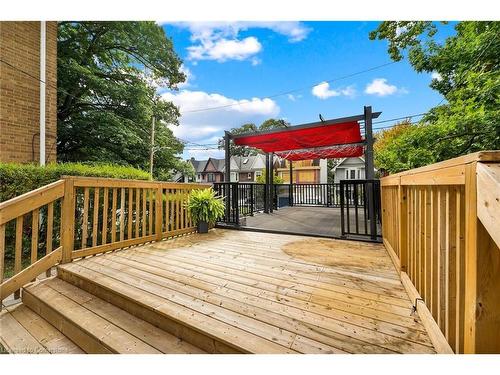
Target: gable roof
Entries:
(198, 165)
(362, 161)
(248, 163)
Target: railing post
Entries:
(370, 191)
(471, 261)
(402, 226)
(68, 220)
(342, 225)
(159, 212)
(252, 208)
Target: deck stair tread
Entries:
(205, 323)
(112, 329)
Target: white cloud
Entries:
(380, 87)
(323, 91)
(219, 41)
(206, 127)
(225, 49)
(436, 76)
(189, 77)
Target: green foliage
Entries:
(108, 73)
(269, 124)
(17, 179)
(205, 206)
(262, 178)
(469, 79)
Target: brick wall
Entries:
(20, 93)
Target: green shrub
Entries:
(17, 179)
(205, 206)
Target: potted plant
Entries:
(205, 208)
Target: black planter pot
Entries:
(202, 227)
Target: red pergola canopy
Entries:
(322, 140)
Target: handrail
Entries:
(82, 216)
(33, 199)
(488, 198)
(440, 227)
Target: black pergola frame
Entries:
(366, 117)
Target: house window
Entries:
(258, 173)
(199, 177)
(249, 175)
(351, 173)
(210, 177)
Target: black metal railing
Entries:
(360, 211)
(358, 200)
(244, 199)
(324, 195)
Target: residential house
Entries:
(211, 170)
(349, 169)
(304, 171)
(247, 168)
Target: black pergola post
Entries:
(369, 172)
(266, 188)
(271, 182)
(227, 174)
(290, 189)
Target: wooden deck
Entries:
(233, 291)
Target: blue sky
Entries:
(239, 65)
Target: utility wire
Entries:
(185, 142)
(294, 90)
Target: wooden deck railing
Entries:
(81, 216)
(441, 225)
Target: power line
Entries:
(400, 118)
(294, 90)
(205, 147)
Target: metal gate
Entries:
(360, 209)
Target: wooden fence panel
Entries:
(437, 221)
(95, 214)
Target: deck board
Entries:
(25, 332)
(291, 292)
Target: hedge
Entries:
(17, 179)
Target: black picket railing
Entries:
(244, 199)
(358, 200)
(360, 210)
(324, 195)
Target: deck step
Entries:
(185, 319)
(97, 326)
(25, 332)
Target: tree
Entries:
(108, 74)
(269, 124)
(390, 152)
(466, 68)
(240, 150)
(262, 178)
